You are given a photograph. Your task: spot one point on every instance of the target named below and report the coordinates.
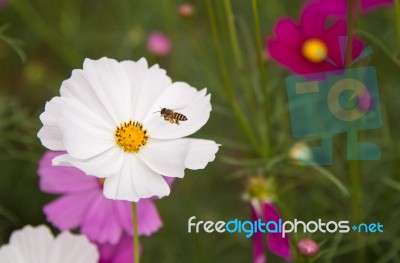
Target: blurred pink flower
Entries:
(307, 47)
(121, 252)
(339, 7)
(3, 3)
(83, 205)
(307, 247)
(159, 44)
(266, 211)
(186, 10)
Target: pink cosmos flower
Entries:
(278, 245)
(159, 44)
(121, 252)
(339, 7)
(310, 47)
(83, 205)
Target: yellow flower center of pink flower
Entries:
(131, 136)
(314, 50)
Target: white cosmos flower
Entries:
(38, 245)
(106, 122)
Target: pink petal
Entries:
(148, 217)
(276, 244)
(59, 180)
(331, 39)
(289, 33)
(373, 4)
(169, 180)
(290, 58)
(123, 210)
(258, 246)
(67, 212)
(101, 223)
(122, 252)
(313, 21)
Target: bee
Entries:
(172, 116)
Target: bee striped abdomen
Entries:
(179, 117)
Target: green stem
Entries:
(46, 33)
(237, 55)
(354, 166)
(380, 44)
(135, 234)
(226, 82)
(397, 8)
(256, 20)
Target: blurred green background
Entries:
(42, 41)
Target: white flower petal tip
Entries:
(37, 244)
(201, 152)
(135, 181)
(50, 134)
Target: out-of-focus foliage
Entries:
(57, 35)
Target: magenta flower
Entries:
(310, 47)
(159, 44)
(83, 205)
(121, 252)
(278, 245)
(339, 7)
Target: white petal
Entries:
(135, 181)
(10, 254)
(182, 98)
(78, 87)
(33, 243)
(166, 157)
(102, 165)
(69, 248)
(146, 84)
(50, 134)
(84, 133)
(201, 153)
(108, 80)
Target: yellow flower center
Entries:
(314, 50)
(102, 180)
(131, 136)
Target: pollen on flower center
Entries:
(131, 136)
(314, 50)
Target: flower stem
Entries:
(353, 6)
(135, 234)
(397, 8)
(263, 74)
(237, 55)
(380, 44)
(243, 121)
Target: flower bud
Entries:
(301, 153)
(159, 44)
(307, 247)
(186, 10)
